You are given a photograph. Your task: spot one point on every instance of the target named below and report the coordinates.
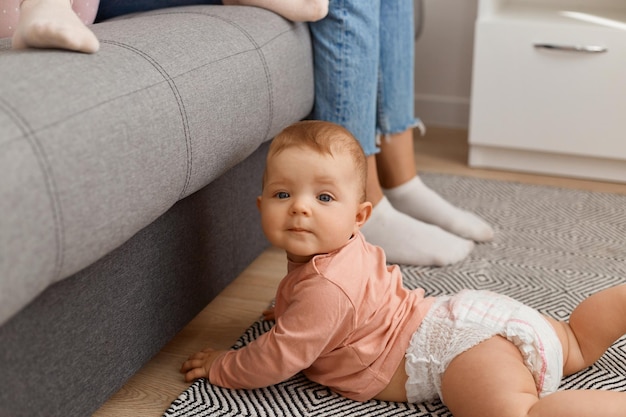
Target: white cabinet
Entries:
(549, 87)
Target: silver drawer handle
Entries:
(590, 49)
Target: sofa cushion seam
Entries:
(49, 182)
(179, 100)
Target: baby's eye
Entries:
(282, 195)
(326, 198)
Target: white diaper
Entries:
(456, 323)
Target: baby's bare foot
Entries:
(52, 24)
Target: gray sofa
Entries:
(127, 190)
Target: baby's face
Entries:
(310, 202)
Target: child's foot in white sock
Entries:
(409, 241)
(417, 200)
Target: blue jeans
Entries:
(364, 68)
(112, 8)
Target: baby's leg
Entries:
(593, 327)
(491, 380)
(54, 24)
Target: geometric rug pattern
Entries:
(552, 248)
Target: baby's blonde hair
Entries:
(323, 138)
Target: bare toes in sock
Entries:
(411, 242)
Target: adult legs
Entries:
(347, 63)
(407, 238)
(51, 24)
(408, 194)
(395, 117)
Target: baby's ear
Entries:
(363, 213)
(258, 202)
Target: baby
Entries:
(344, 319)
(63, 24)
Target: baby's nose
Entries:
(300, 206)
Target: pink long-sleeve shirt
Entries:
(343, 318)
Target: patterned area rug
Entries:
(553, 247)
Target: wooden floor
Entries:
(156, 385)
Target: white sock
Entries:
(410, 241)
(417, 200)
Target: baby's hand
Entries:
(198, 364)
(268, 315)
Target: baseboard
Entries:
(444, 111)
(574, 166)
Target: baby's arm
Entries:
(317, 317)
(295, 10)
(198, 364)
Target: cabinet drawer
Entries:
(536, 99)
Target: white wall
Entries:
(443, 62)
